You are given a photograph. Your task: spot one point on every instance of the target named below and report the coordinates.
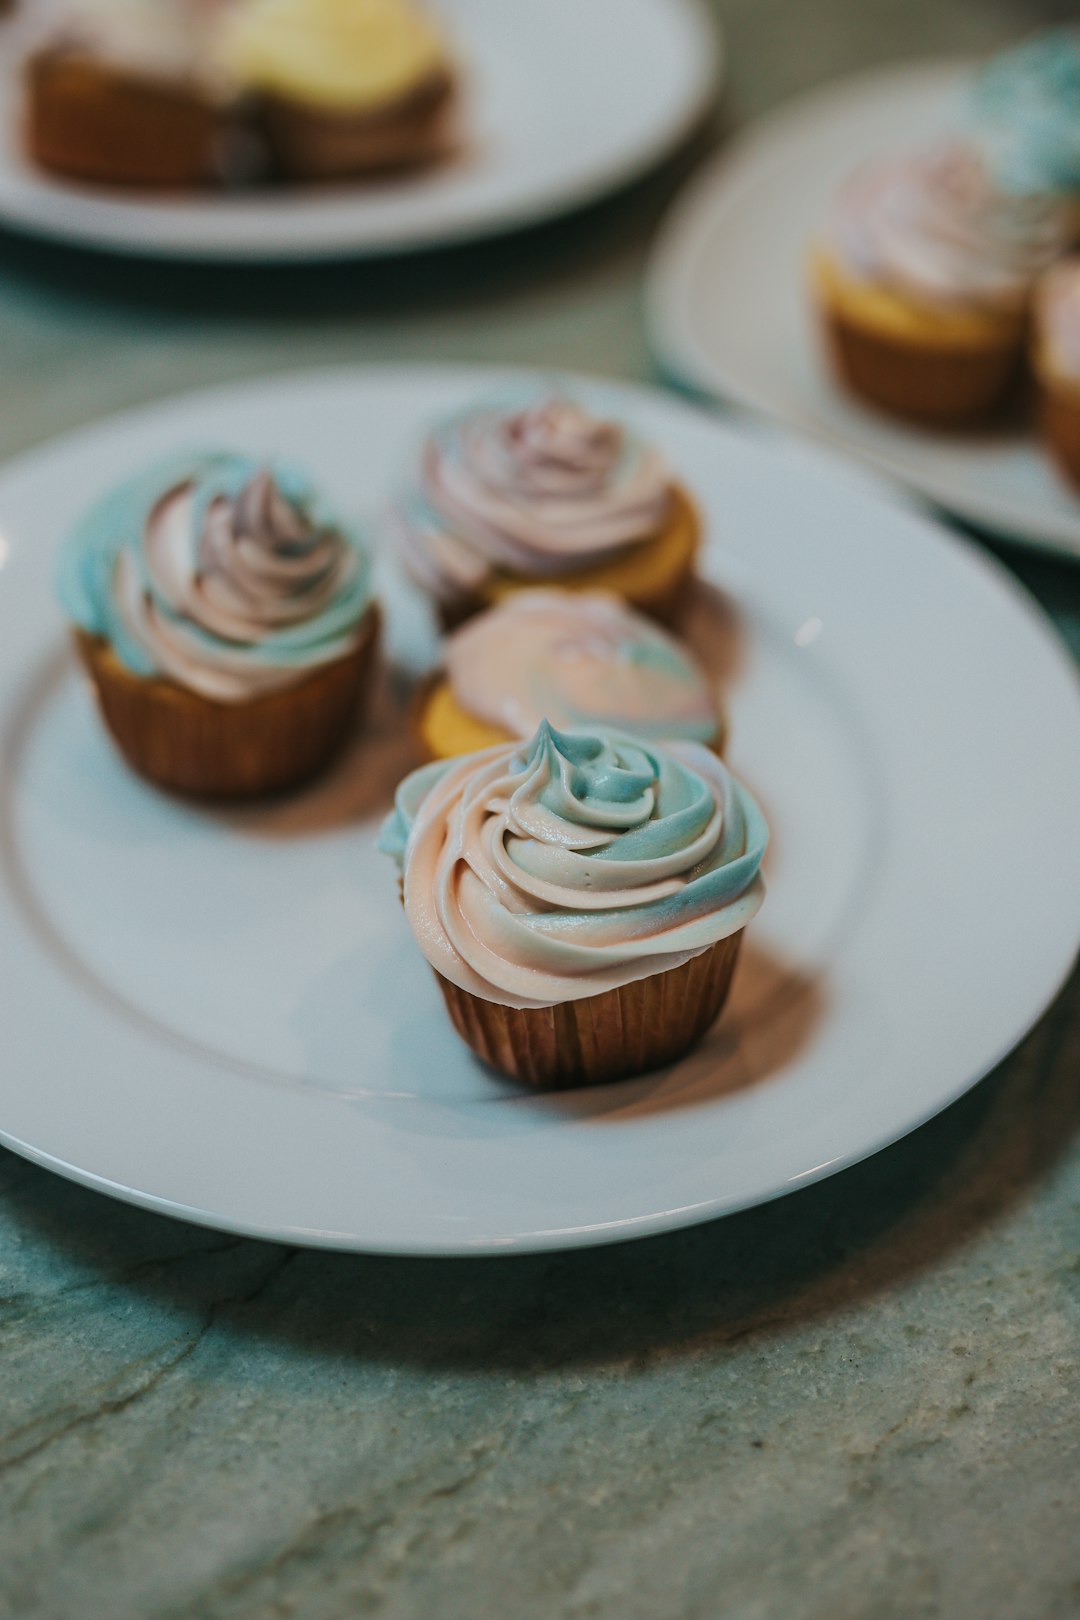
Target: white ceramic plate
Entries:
(728, 309)
(563, 102)
(225, 1016)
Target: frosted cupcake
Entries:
(580, 659)
(581, 898)
(342, 87)
(923, 279)
(121, 91)
(1055, 362)
(545, 494)
(226, 620)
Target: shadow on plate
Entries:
(359, 786)
(325, 289)
(771, 1018)
(813, 1254)
(712, 626)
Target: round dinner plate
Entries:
(222, 1014)
(562, 102)
(729, 312)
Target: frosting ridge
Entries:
(547, 872)
(538, 490)
(577, 659)
(936, 227)
(227, 576)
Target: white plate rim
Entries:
(694, 217)
(111, 223)
(992, 574)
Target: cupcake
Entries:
(1055, 363)
(579, 659)
(581, 898)
(118, 91)
(923, 281)
(544, 494)
(343, 87)
(226, 621)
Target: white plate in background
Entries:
(224, 1016)
(728, 309)
(562, 102)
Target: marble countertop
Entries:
(862, 1400)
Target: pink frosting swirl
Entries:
(238, 584)
(538, 492)
(549, 871)
(578, 658)
(934, 227)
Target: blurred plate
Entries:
(729, 313)
(562, 103)
(224, 1016)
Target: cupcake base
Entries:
(947, 385)
(653, 577)
(443, 729)
(192, 745)
(89, 121)
(309, 143)
(1059, 416)
(613, 1036)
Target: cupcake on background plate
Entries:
(226, 621)
(576, 658)
(923, 279)
(1055, 363)
(121, 92)
(580, 897)
(342, 87)
(544, 493)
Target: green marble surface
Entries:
(861, 1401)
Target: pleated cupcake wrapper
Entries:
(99, 121)
(192, 745)
(310, 143)
(627, 1031)
(922, 381)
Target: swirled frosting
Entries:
(1026, 113)
(353, 54)
(547, 872)
(1057, 323)
(577, 659)
(936, 228)
(146, 36)
(537, 492)
(220, 573)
